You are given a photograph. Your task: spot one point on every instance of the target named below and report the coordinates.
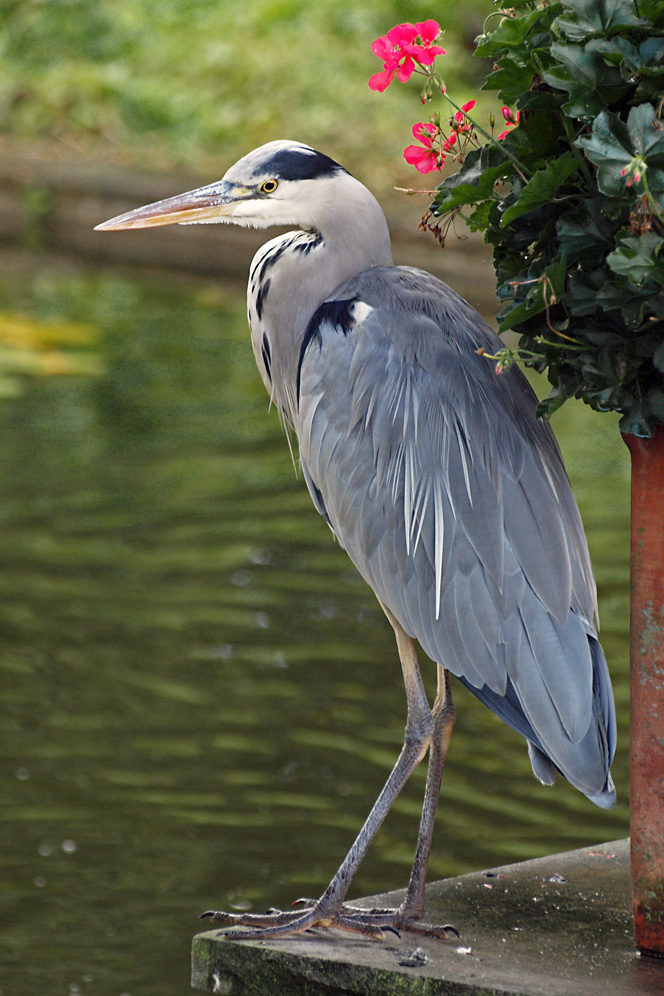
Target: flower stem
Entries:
(654, 206)
(523, 170)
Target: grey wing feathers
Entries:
(452, 501)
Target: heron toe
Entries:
(374, 922)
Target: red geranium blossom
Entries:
(460, 115)
(428, 31)
(424, 157)
(512, 119)
(399, 51)
(450, 142)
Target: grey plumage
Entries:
(452, 501)
(449, 496)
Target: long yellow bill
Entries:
(217, 200)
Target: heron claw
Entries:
(376, 922)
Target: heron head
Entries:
(280, 183)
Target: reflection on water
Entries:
(200, 698)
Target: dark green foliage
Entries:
(572, 199)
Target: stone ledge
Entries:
(554, 926)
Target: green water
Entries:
(200, 698)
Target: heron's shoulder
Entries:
(400, 321)
(417, 310)
(406, 286)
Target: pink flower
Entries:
(424, 157)
(460, 115)
(399, 52)
(428, 31)
(394, 49)
(449, 142)
(512, 119)
(395, 44)
(460, 122)
(402, 36)
(425, 131)
(381, 81)
(424, 160)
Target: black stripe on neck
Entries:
(334, 313)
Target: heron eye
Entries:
(269, 186)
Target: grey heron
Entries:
(449, 496)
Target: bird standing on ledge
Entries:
(450, 498)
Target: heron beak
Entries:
(218, 200)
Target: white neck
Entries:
(304, 268)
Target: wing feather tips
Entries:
(586, 764)
(543, 768)
(605, 712)
(603, 692)
(556, 667)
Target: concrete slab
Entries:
(555, 926)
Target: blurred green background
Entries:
(197, 83)
(200, 698)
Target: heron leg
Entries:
(425, 728)
(409, 914)
(422, 728)
(443, 713)
(420, 725)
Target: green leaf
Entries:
(585, 18)
(543, 187)
(653, 10)
(585, 233)
(537, 140)
(478, 220)
(581, 297)
(613, 145)
(602, 337)
(590, 82)
(512, 80)
(474, 182)
(555, 400)
(608, 147)
(656, 185)
(646, 134)
(645, 59)
(512, 33)
(543, 291)
(585, 101)
(620, 52)
(655, 404)
(658, 357)
(633, 303)
(581, 64)
(635, 423)
(651, 54)
(637, 258)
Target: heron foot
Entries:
(373, 922)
